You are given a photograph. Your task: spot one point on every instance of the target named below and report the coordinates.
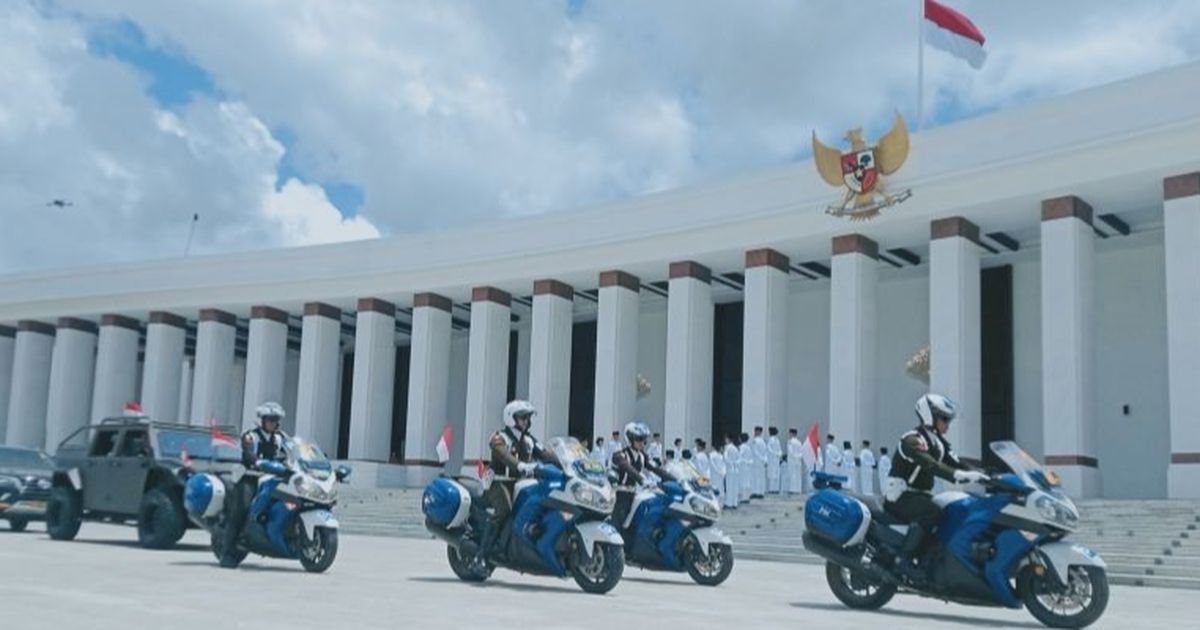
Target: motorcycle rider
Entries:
(262, 443)
(630, 463)
(515, 453)
(924, 453)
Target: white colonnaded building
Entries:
(1049, 257)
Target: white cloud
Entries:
(305, 217)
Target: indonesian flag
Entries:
(951, 31)
(219, 437)
(444, 444)
(810, 448)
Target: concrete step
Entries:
(1127, 579)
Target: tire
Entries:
(63, 514)
(600, 573)
(160, 520)
(217, 540)
(320, 553)
(18, 524)
(856, 590)
(711, 569)
(1039, 593)
(465, 568)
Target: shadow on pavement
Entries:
(957, 619)
(133, 544)
(527, 588)
(645, 580)
(262, 568)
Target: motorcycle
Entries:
(1002, 545)
(556, 525)
(670, 526)
(291, 514)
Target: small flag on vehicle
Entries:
(219, 437)
(444, 444)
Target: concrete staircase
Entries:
(1145, 543)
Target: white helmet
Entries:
(636, 431)
(933, 406)
(269, 410)
(517, 408)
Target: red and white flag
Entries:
(810, 448)
(951, 31)
(219, 437)
(444, 444)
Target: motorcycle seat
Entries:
(878, 513)
(473, 486)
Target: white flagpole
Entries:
(191, 233)
(920, 64)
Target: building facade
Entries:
(1048, 257)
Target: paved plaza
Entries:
(103, 580)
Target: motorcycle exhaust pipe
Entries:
(845, 559)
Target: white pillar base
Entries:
(374, 381)
(487, 372)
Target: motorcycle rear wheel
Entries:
(217, 541)
(1078, 605)
(465, 567)
(857, 590)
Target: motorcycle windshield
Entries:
(308, 457)
(688, 475)
(1027, 468)
(576, 460)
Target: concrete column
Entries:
(116, 380)
(317, 399)
(689, 353)
(428, 384)
(183, 409)
(1067, 353)
(166, 334)
(266, 361)
(764, 340)
(616, 352)
(1181, 236)
(291, 379)
(212, 372)
(550, 356)
(487, 371)
(954, 328)
(72, 365)
(852, 335)
(32, 353)
(237, 389)
(8, 341)
(374, 380)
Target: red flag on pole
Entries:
(219, 437)
(445, 443)
(810, 449)
(951, 31)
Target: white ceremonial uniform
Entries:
(759, 448)
(866, 472)
(884, 469)
(600, 454)
(655, 450)
(611, 448)
(795, 468)
(849, 470)
(774, 465)
(833, 460)
(700, 461)
(746, 466)
(733, 478)
(716, 464)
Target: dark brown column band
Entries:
(217, 315)
(8, 331)
(120, 321)
(855, 244)
(766, 258)
(376, 305)
(1065, 208)
(268, 312)
(616, 278)
(32, 325)
(954, 226)
(1072, 460)
(82, 325)
(1179, 186)
(690, 269)
(491, 294)
(170, 319)
(322, 309)
(553, 287)
(432, 300)
(1185, 458)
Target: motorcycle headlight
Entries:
(592, 497)
(1057, 511)
(705, 507)
(311, 490)
(43, 484)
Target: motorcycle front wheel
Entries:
(856, 589)
(1077, 605)
(600, 573)
(711, 569)
(319, 553)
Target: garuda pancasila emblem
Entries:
(861, 169)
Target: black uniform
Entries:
(629, 464)
(923, 454)
(257, 445)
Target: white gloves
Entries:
(526, 468)
(969, 476)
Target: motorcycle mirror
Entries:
(342, 473)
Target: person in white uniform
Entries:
(600, 452)
(884, 466)
(759, 447)
(716, 463)
(833, 457)
(849, 469)
(746, 463)
(795, 463)
(775, 459)
(655, 448)
(700, 459)
(733, 479)
(613, 446)
(866, 471)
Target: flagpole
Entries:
(920, 64)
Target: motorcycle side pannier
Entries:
(837, 518)
(446, 503)
(204, 495)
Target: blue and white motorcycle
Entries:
(1001, 546)
(291, 515)
(671, 526)
(556, 526)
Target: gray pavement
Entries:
(104, 581)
